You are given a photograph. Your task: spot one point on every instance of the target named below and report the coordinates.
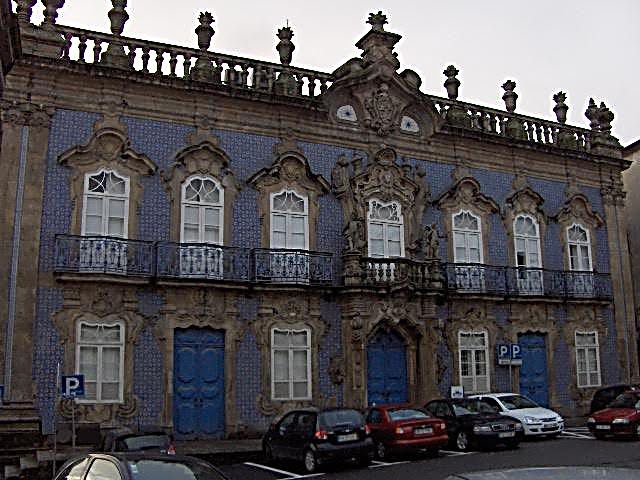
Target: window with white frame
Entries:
(291, 364)
(100, 358)
(105, 204)
(526, 234)
(289, 220)
(587, 359)
(385, 229)
(579, 248)
(467, 238)
(202, 211)
(473, 348)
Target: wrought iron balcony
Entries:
(518, 281)
(202, 261)
(292, 266)
(390, 272)
(108, 255)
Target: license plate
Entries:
(551, 425)
(603, 427)
(348, 438)
(423, 431)
(506, 434)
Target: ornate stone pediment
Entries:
(465, 193)
(578, 210)
(378, 93)
(524, 199)
(109, 147)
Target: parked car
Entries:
(551, 473)
(536, 420)
(472, 423)
(620, 418)
(316, 437)
(137, 466)
(402, 429)
(127, 440)
(605, 395)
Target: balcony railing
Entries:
(518, 281)
(292, 266)
(110, 255)
(397, 271)
(202, 261)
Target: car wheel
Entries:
(462, 441)
(268, 454)
(381, 451)
(310, 462)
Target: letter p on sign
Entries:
(73, 385)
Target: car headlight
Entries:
(531, 420)
(591, 420)
(559, 419)
(622, 421)
(481, 428)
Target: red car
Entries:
(620, 418)
(401, 428)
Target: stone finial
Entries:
(561, 108)
(452, 83)
(592, 114)
(605, 117)
(377, 21)
(509, 96)
(24, 9)
(51, 8)
(118, 16)
(285, 46)
(205, 31)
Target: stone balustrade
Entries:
(505, 124)
(154, 58)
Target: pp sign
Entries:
(73, 385)
(509, 354)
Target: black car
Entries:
(149, 439)
(319, 436)
(473, 424)
(605, 395)
(137, 466)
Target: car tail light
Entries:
(402, 430)
(367, 430)
(442, 426)
(321, 435)
(171, 450)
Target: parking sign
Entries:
(72, 386)
(516, 354)
(504, 354)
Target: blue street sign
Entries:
(509, 354)
(516, 354)
(73, 385)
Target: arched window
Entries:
(527, 252)
(202, 211)
(579, 248)
(100, 358)
(385, 229)
(289, 220)
(105, 204)
(467, 238)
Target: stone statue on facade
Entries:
(430, 241)
(354, 233)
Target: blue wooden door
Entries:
(198, 383)
(533, 372)
(386, 369)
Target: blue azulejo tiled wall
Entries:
(47, 353)
(331, 347)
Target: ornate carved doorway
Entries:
(198, 385)
(386, 369)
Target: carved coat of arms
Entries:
(382, 110)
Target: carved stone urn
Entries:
(452, 83)
(205, 31)
(203, 70)
(51, 8)
(285, 46)
(115, 56)
(509, 96)
(24, 9)
(561, 108)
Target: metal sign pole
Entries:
(510, 377)
(73, 424)
(55, 422)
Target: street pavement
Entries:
(574, 447)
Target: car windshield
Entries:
(626, 400)
(143, 442)
(333, 418)
(406, 414)
(515, 402)
(472, 407)
(156, 469)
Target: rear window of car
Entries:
(334, 418)
(155, 469)
(406, 414)
(626, 400)
(145, 442)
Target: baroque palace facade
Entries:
(211, 240)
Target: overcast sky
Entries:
(587, 48)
